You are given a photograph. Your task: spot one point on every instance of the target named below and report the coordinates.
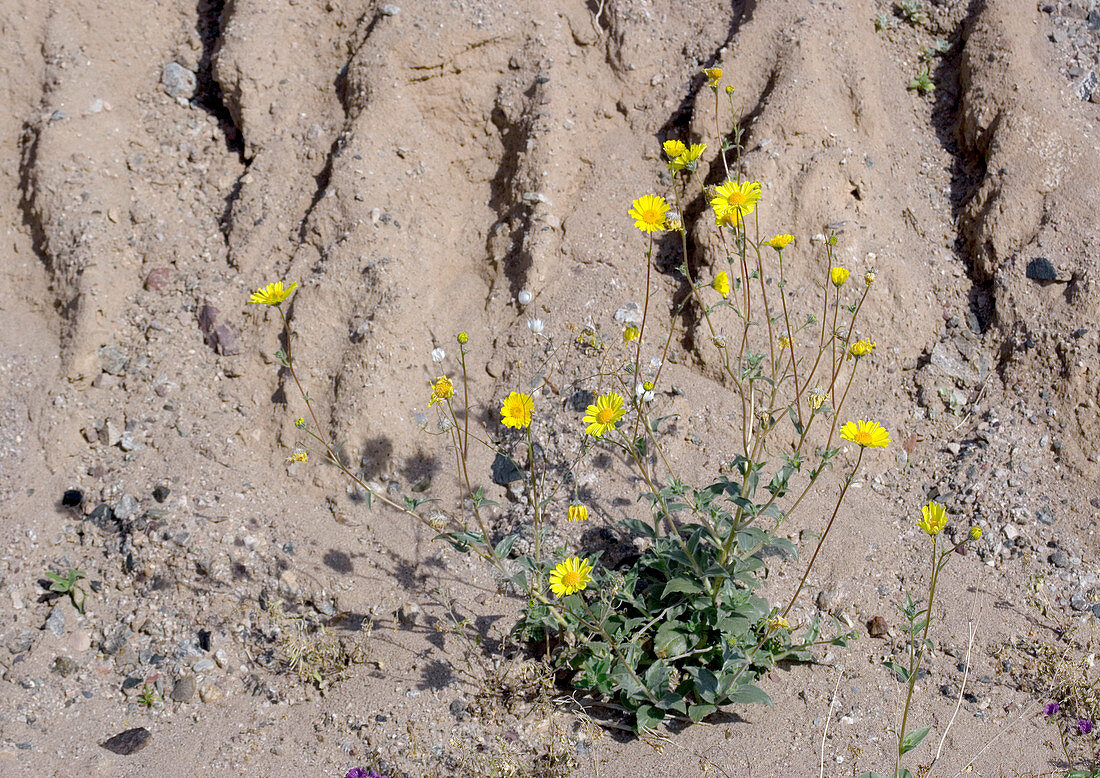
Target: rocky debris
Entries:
(112, 361)
(407, 615)
(184, 689)
(220, 335)
(128, 742)
(158, 279)
(178, 81)
(72, 498)
(1040, 269)
(878, 628)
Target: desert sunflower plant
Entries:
(680, 629)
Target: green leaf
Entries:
(639, 527)
(699, 712)
(870, 775)
(901, 673)
(913, 739)
(669, 640)
(681, 585)
(504, 547)
(748, 694)
(648, 717)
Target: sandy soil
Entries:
(414, 168)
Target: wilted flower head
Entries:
(631, 333)
(535, 325)
(714, 75)
(778, 622)
(438, 354)
(861, 348)
(442, 390)
(784, 342)
(975, 533)
(721, 284)
(869, 277)
(816, 398)
(300, 422)
(838, 275)
(933, 518)
(437, 521)
(578, 512)
(298, 456)
(1084, 726)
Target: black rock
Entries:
(72, 498)
(129, 742)
(1040, 269)
(504, 471)
(103, 516)
(160, 494)
(581, 399)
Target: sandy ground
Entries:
(414, 168)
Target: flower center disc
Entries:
(572, 579)
(605, 415)
(863, 438)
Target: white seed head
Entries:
(524, 297)
(535, 325)
(438, 355)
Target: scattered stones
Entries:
(1040, 269)
(20, 642)
(831, 598)
(128, 742)
(55, 622)
(1060, 559)
(210, 692)
(288, 586)
(389, 10)
(407, 614)
(1044, 515)
(178, 81)
(160, 494)
(103, 516)
(948, 361)
(126, 508)
(877, 627)
(504, 471)
(184, 689)
(220, 335)
(112, 360)
(64, 666)
(158, 279)
(72, 498)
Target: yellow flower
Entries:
(714, 75)
(648, 212)
(298, 456)
(729, 89)
(933, 518)
(777, 622)
(300, 422)
(516, 410)
(689, 159)
(570, 576)
(780, 242)
(730, 220)
(784, 342)
(631, 333)
(732, 197)
(442, 390)
(861, 348)
(463, 338)
(869, 277)
(838, 275)
(578, 512)
(866, 434)
(674, 148)
(816, 398)
(602, 417)
(721, 284)
(975, 533)
(272, 294)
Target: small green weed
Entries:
(912, 12)
(67, 584)
(922, 82)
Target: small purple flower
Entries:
(1084, 726)
(1051, 708)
